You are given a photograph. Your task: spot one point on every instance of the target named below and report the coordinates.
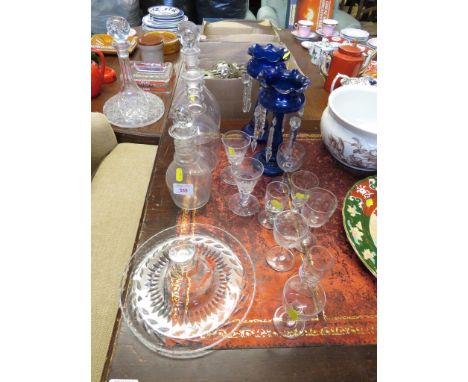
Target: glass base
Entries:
(264, 221)
(140, 109)
(226, 176)
(251, 208)
(280, 259)
(285, 326)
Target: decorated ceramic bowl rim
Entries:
(349, 89)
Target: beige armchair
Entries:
(120, 178)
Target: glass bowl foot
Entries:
(280, 259)
(285, 326)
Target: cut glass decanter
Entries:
(131, 107)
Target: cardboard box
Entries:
(260, 32)
(228, 41)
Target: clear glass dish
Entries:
(182, 306)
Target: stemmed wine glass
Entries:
(319, 207)
(276, 201)
(301, 183)
(303, 297)
(236, 143)
(289, 230)
(246, 174)
(290, 160)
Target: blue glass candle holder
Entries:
(266, 56)
(281, 92)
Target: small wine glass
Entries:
(315, 264)
(303, 297)
(300, 183)
(319, 207)
(236, 143)
(246, 174)
(289, 230)
(300, 304)
(276, 201)
(290, 161)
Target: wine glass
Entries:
(276, 201)
(289, 230)
(236, 143)
(300, 304)
(319, 207)
(246, 174)
(303, 297)
(290, 160)
(300, 183)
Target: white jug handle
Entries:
(339, 76)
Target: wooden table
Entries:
(128, 358)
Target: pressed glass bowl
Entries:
(186, 321)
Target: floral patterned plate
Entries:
(360, 221)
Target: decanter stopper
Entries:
(118, 28)
(183, 128)
(189, 34)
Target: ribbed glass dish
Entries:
(186, 289)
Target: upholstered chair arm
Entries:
(103, 140)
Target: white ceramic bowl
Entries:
(349, 126)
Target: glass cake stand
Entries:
(186, 289)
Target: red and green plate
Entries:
(360, 221)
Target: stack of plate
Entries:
(353, 34)
(163, 17)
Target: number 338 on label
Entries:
(182, 189)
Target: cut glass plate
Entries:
(186, 289)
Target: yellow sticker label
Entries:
(277, 204)
(369, 202)
(300, 195)
(179, 174)
(192, 98)
(286, 55)
(231, 151)
(292, 313)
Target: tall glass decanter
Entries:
(192, 94)
(207, 138)
(188, 177)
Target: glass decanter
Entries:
(188, 177)
(131, 107)
(208, 135)
(189, 36)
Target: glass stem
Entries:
(244, 199)
(291, 323)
